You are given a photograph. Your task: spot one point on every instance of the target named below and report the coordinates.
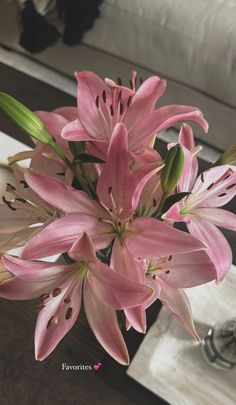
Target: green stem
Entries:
(161, 205)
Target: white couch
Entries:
(189, 42)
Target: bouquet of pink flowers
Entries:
(99, 194)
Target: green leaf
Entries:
(171, 200)
(25, 118)
(77, 147)
(86, 158)
(227, 158)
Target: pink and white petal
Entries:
(186, 137)
(144, 101)
(90, 86)
(15, 238)
(98, 148)
(54, 123)
(114, 289)
(190, 170)
(218, 248)
(122, 261)
(218, 217)
(56, 319)
(74, 131)
(104, 324)
(188, 270)
(18, 289)
(63, 197)
(141, 176)
(161, 119)
(59, 236)
(69, 113)
(115, 182)
(149, 238)
(176, 301)
(35, 271)
(174, 213)
(216, 187)
(14, 220)
(82, 249)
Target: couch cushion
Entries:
(189, 41)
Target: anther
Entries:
(222, 195)
(154, 203)
(121, 109)
(119, 96)
(24, 183)
(67, 300)
(44, 296)
(39, 307)
(111, 110)
(69, 313)
(52, 321)
(60, 174)
(202, 178)
(8, 203)
(21, 200)
(97, 101)
(141, 81)
(10, 187)
(154, 276)
(56, 292)
(169, 258)
(110, 189)
(210, 186)
(104, 96)
(231, 186)
(167, 271)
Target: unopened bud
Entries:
(173, 168)
(228, 157)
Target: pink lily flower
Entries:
(167, 276)
(212, 189)
(118, 192)
(23, 215)
(101, 105)
(62, 286)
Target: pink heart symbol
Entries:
(97, 366)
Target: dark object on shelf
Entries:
(37, 32)
(79, 16)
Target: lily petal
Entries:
(65, 198)
(178, 304)
(115, 182)
(35, 271)
(74, 131)
(218, 248)
(114, 289)
(144, 101)
(218, 217)
(187, 270)
(103, 322)
(59, 236)
(150, 238)
(56, 319)
(161, 119)
(123, 262)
